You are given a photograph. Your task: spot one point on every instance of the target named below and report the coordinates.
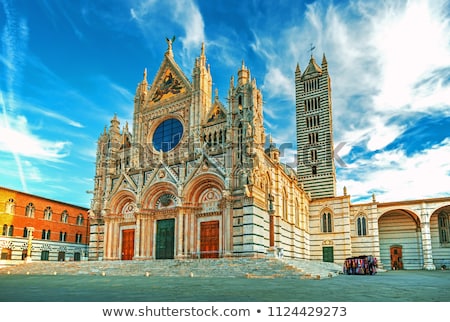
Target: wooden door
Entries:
(165, 239)
(396, 257)
(127, 244)
(61, 256)
(209, 239)
(328, 254)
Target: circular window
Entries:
(167, 135)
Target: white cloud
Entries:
(393, 175)
(16, 138)
(381, 134)
(389, 62)
(277, 83)
(411, 42)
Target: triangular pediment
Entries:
(217, 113)
(162, 173)
(123, 182)
(169, 82)
(205, 164)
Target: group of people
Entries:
(360, 265)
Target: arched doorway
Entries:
(400, 240)
(440, 237)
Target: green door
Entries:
(327, 253)
(165, 238)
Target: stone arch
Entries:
(202, 186)
(440, 236)
(120, 200)
(151, 197)
(400, 237)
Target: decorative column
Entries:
(179, 246)
(227, 215)
(426, 246)
(137, 236)
(116, 239)
(106, 242)
(271, 251)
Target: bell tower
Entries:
(315, 167)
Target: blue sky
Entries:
(67, 66)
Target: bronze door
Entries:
(165, 239)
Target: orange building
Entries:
(38, 228)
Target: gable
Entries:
(217, 114)
(170, 82)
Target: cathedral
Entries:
(195, 178)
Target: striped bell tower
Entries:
(315, 164)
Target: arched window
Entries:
(64, 217)
(25, 232)
(326, 222)
(62, 236)
(444, 229)
(9, 206)
(46, 234)
(297, 216)
(284, 202)
(11, 230)
(29, 210)
(361, 226)
(48, 213)
(80, 219)
(5, 229)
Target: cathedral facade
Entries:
(195, 178)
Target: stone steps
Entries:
(222, 267)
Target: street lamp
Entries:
(30, 238)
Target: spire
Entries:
(243, 74)
(324, 62)
(114, 127)
(145, 75)
(324, 59)
(297, 69)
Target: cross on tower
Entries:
(311, 49)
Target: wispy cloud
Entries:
(183, 14)
(17, 139)
(395, 176)
(383, 73)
